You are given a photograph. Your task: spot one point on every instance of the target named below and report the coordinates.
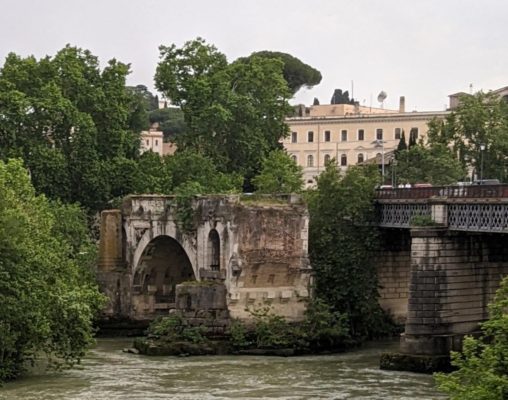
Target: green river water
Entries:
(109, 374)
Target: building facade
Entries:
(350, 134)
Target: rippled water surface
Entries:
(108, 373)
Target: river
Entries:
(106, 373)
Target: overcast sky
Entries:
(424, 50)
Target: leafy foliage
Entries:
(296, 73)
(279, 174)
(234, 113)
(483, 364)
(479, 120)
(342, 245)
(340, 97)
(174, 328)
(434, 164)
(68, 119)
(46, 291)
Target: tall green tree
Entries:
(435, 164)
(481, 120)
(234, 113)
(67, 118)
(279, 174)
(342, 245)
(46, 291)
(296, 73)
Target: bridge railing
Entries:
(471, 191)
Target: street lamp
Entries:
(378, 143)
(482, 148)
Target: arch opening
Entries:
(214, 250)
(163, 265)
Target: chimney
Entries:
(402, 104)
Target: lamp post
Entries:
(482, 148)
(377, 143)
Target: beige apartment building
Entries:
(350, 134)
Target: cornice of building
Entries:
(411, 116)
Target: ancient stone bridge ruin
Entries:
(258, 250)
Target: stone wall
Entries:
(393, 265)
(272, 259)
(453, 278)
(260, 254)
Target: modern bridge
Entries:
(445, 250)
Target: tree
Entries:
(67, 118)
(316, 101)
(402, 143)
(480, 120)
(279, 174)
(435, 164)
(171, 121)
(47, 294)
(234, 113)
(296, 73)
(340, 97)
(342, 245)
(482, 372)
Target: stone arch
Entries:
(151, 234)
(162, 265)
(214, 250)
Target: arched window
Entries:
(310, 160)
(327, 158)
(343, 160)
(293, 157)
(214, 250)
(360, 158)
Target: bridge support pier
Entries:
(453, 277)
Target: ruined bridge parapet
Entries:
(259, 250)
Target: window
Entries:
(293, 157)
(379, 156)
(343, 160)
(343, 136)
(397, 133)
(379, 134)
(156, 142)
(361, 134)
(360, 158)
(310, 160)
(294, 137)
(147, 142)
(327, 136)
(327, 158)
(310, 136)
(413, 134)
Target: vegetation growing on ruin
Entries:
(482, 366)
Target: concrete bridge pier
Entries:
(453, 277)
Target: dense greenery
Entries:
(296, 73)
(279, 174)
(234, 112)
(340, 97)
(342, 245)
(483, 364)
(47, 296)
(434, 164)
(68, 120)
(480, 120)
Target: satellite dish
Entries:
(381, 96)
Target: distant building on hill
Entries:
(350, 134)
